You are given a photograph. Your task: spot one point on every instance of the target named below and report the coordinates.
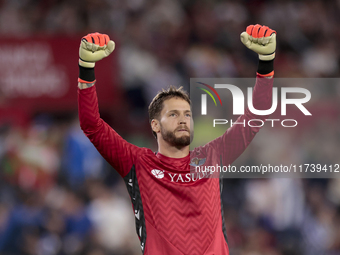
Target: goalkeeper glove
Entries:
(260, 39)
(93, 47)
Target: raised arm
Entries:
(235, 140)
(118, 152)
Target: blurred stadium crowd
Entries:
(59, 197)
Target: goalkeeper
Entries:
(176, 211)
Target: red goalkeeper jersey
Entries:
(177, 212)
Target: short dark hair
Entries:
(156, 105)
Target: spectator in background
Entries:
(21, 231)
(81, 160)
(111, 216)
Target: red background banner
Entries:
(41, 74)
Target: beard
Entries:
(172, 139)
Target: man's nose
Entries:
(182, 119)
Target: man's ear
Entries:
(155, 125)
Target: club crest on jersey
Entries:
(197, 161)
(159, 174)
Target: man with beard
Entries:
(177, 211)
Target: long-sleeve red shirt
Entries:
(176, 211)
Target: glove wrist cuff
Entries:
(267, 57)
(265, 68)
(86, 74)
(86, 64)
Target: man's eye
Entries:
(172, 114)
(188, 115)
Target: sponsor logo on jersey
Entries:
(159, 174)
(188, 177)
(185, 177)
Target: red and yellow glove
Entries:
(260, 39)
(93, 47)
